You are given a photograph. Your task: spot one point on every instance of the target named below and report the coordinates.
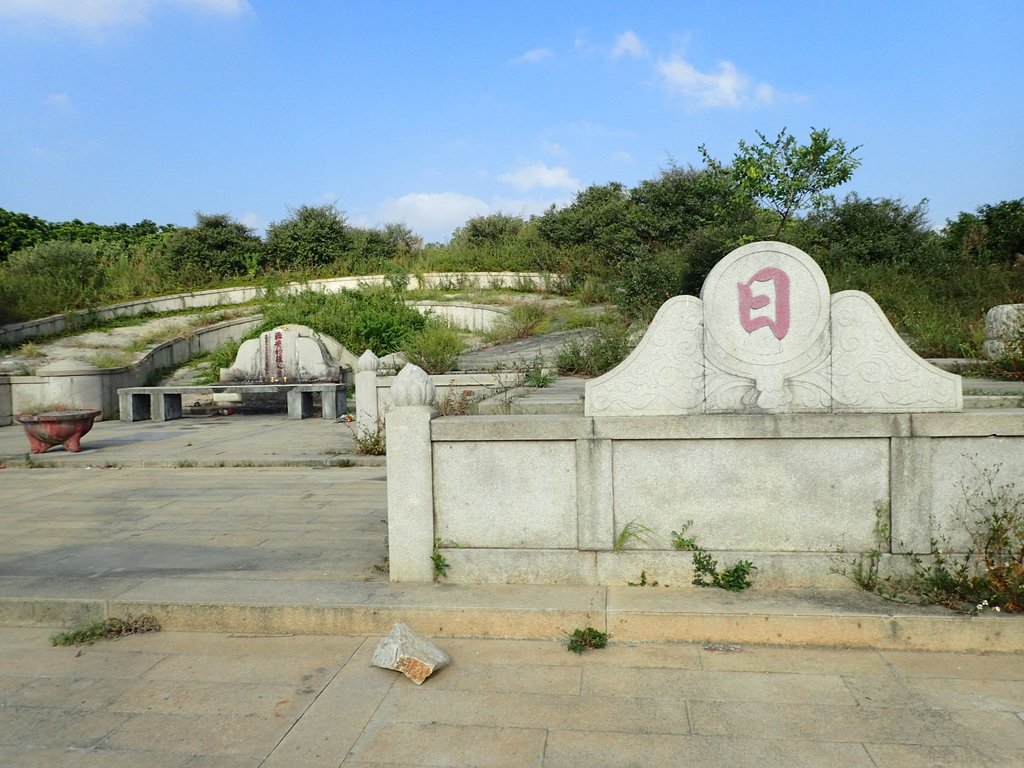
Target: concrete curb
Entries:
(840, 618)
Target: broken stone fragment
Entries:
(404, 651)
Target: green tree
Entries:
(402, 237)
(598, 221)
(311, 237)
(667, 210)
(215, 248)
(992, 233)
(874, 231)
(369, 253)
(493, 229)
(20, 230)
(786, 176)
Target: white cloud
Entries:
(222, 7)
(764, 93)
(553, 148)
(724, 87)
(432, 215)
(540, 175)
(623, 157)
(77, 13)
(61, 102)
(628, 44)
(93, 15)
(254, 221)
(533, 56)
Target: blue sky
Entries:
(431, 112)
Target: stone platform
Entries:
(251, 525)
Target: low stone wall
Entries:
(17, 333)
(471, 317)
(87, 386)
(373, 391)
(542, 499)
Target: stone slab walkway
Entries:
(240, 523)
(183, 700)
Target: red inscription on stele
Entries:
(749, 301)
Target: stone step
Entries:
(830, 618)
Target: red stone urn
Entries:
(50, 428)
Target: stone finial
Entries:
(414, 656)
(412, 386)
(368, 362)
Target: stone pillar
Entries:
(410, 476)
(6, 405)
(367, 412)
(910, 494)
(594, 494)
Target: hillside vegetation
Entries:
(633, 247)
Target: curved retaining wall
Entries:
(16, 333)
(472, 317)
(93, 387)
(90, 387)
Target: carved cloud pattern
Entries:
(664, 375)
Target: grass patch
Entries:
(107, 629)
(631, 532)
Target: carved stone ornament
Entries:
(766, 337)
(412, 386)
(368, 362)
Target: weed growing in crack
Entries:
(584, 639)
(107, 629)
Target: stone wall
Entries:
(542, 499)
(373, 389)
(779, 419)
(86, 386)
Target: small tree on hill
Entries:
(788, 177)
(312, 236)
(217, 247)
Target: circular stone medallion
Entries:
(765, 304)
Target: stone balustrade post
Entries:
(367, 412)
(410, 476)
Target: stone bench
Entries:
(164, 403)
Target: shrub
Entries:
(596, 354)
(990, 575)
(376, 319)
(435, 348)
(523, 320)
(312, 236)
(217, 247)
(53, 277)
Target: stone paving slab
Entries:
(199, 441)
(303, 549)
(284, 701)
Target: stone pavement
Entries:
(173, 699)
(254, 526)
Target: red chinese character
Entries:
(750, 301)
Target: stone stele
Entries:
(288, 353)
(767, 337)
(407, 652)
